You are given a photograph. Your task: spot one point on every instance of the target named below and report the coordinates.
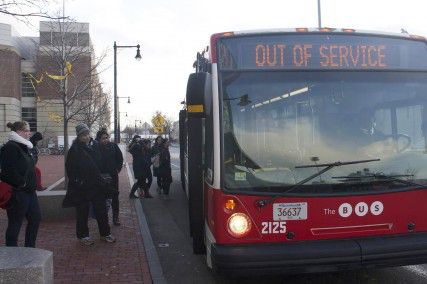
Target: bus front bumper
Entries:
(320, 256)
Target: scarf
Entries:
(13, 136)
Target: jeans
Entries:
(101, 215)
(144, 183)
(25, 204)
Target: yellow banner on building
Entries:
(55, 117)
(68, 71)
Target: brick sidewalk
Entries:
(122, 262)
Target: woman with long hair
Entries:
(17, 169)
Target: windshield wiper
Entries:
(263, 202)
(328, 167)
(396, 178)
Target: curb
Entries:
(156, 270)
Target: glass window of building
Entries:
(27, 87)
(29, 114)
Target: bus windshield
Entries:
(275, 121)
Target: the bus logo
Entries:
(361, 209)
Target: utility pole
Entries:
(319, 14)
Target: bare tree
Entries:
(66, 60)
(168, 125)
(24, 9)
(98, 111)
(129, 131)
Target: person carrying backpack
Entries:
(18, 170)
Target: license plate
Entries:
(290, 211)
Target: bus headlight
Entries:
(239, 225)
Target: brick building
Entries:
(41, 104)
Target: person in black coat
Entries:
(165, 171)
(135, 148)
(142, 170)
(111, 159)
(17, 169)
(86, 186)
(155, 151)
(34, 139)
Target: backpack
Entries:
(5, 191)
(5, 195)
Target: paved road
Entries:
(168, 222)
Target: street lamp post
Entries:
(136, 120)
(118, 118)
(116, 105)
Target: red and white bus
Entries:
(305, 150)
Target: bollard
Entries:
(26, 265)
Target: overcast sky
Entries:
(170, 33)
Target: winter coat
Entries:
(35, 154)
(155, 150)
(84, 177)
(111, 158)
(165, 171)
(142, 167)
(17, 166)
(136, 150)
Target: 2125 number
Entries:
(273, 227)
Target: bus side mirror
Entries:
(198, 90)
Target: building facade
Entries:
(31, 86)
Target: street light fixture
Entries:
(125, 98)
(116, 106)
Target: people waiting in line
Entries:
(142, 169)
(17, 169)
(86, 186)
(164, 170)
(111, 162)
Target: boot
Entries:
(132, 192)
(147, 194)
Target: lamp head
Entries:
(128, 100)
(138, 53)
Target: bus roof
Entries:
(402, 34)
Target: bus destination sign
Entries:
(321, 52)
(333, 56)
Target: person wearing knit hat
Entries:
(86, 187)
(82, 129)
